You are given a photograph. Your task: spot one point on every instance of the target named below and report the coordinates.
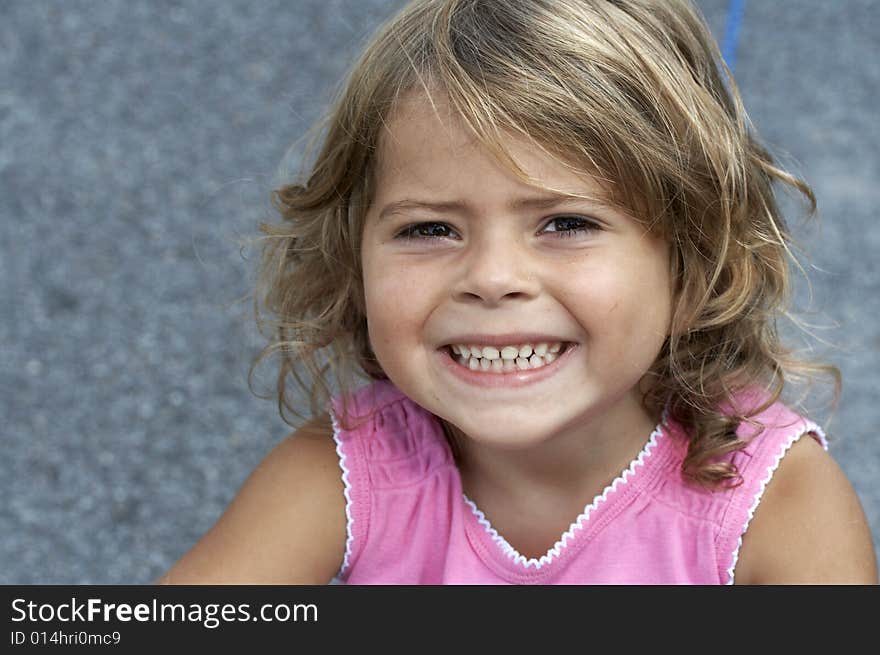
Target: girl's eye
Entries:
(567, 226)
(424, 231)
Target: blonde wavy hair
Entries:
(628, 91)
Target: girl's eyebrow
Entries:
(528, 202)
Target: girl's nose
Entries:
(496, 269)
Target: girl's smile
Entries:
(494, 371)
(521, 316)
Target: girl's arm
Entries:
(809, 527)
(287, 525)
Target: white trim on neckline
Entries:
(579, 522)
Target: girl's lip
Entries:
(505, 379)
(501, 340)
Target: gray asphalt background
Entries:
(139, 142)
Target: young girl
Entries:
(545, 234)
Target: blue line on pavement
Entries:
(735, 12)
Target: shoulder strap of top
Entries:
(386, 442)
(756, 463)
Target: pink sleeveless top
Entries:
(409, 522)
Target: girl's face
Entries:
(492, 268)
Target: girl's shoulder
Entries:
(809, 526)
(803, 520)
(386, 442)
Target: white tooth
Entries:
(541, 348)
(549, 357)
(526, 350)
(473, 363)
(509, 365)
(475, 351)
(456, 349)
(522, 363)
(464, 351)
(536, 361)
(555, 347)
(509, 352)
(490, 352)
(485, 364)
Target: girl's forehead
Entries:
(419, 121)
(425, 141)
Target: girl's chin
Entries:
(508, 435)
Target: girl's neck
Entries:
(577, 462)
